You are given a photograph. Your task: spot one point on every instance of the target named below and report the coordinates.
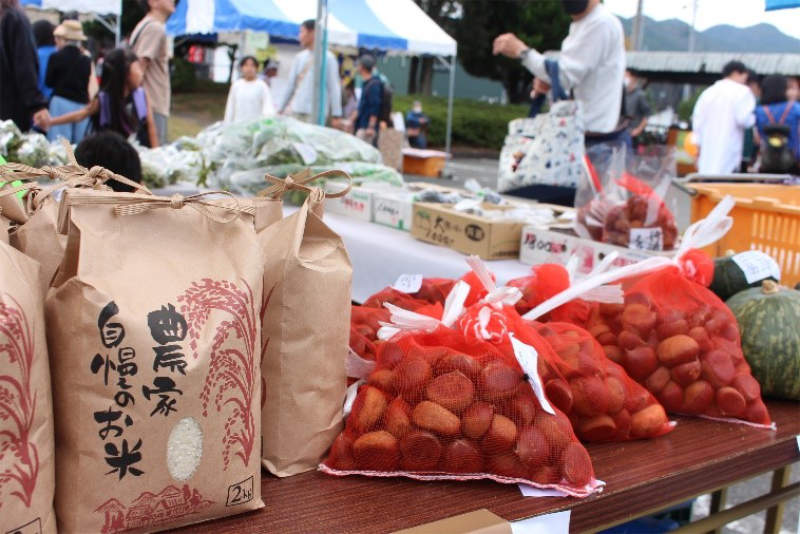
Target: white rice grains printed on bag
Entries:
(154, 326)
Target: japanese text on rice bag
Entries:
(154, 328)
(27, 470)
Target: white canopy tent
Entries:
(106, 12)
(396, 26)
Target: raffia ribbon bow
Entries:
(300, 181)
(229, 207)
(72, 172)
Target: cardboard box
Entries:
(441, 225)
(478, 522)
(393, 209)
(547, 246)
(357, 204)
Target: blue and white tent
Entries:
(772, 5)
(100, 7)
(394, 26)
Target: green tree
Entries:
(420, 75)
(132, 13)
(541, 24)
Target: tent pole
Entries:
(450, 105)
(318, 107)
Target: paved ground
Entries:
(484, 170)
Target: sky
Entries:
(740, 13)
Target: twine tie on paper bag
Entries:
(72, 173)
(231, 210)
(298, 182)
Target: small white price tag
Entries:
(408, 283)
(528, 359)
(646, 239)
(556, 523)
(757, 266)
(533, 491)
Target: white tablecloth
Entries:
(380, 255)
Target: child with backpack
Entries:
(777, 125)
(122, 104)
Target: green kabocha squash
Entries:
(737, 272)
(769, 321)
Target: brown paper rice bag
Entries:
(27, 470)
(4, 227)
(307, 278)
(38, 236)
(154, 328)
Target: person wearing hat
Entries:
(68, 73)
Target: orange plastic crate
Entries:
(766, 217)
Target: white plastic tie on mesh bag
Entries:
(358, 367)
(606, 294)
(350, 396)
(497, 296)
(402, 320)
(700, 234)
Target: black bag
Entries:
(776, 152)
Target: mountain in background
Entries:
(673, 35)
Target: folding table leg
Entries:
(718, 499)
(780, 478)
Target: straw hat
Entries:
(71, 30)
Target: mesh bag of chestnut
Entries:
(364, 326)
(602, 402)
(545, 281)
(676, 338)
(443, 404)
(672, 334)
(623, 205)
(431, 291)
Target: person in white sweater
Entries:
(249, 97)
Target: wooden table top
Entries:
(699, 456)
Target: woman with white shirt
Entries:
(249, 97)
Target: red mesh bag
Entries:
(605, 403)
(681, 342)
(364, 326)
(545, 281)
(393, 296)
(443, 406)
(432, 291)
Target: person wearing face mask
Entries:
(590, 66)
(416, 126)
(590, 70)
(636, 107)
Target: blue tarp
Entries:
(781, 4)
(392, 25)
